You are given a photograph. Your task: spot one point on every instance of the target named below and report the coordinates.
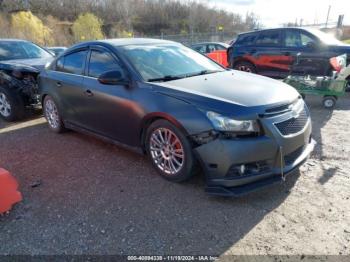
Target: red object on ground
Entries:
(8, 191)
(220, 57)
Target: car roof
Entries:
(56, 47)
(122, 42)
(128, 41)
(135, 41)
(12, 40)
(271, 29)
(208, 43)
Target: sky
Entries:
(274, 13)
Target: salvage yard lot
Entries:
(83, 196)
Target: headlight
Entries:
(226, 124)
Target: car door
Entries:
(108, 108)
(304, 55)
(267, 55)
(66, 80)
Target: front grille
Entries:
(278, 109)
(281, 109)
(291, 157)
(293, 125)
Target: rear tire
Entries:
(347, 88)
(11, 105)
(245, 67)
(52, 115)
(170, 151)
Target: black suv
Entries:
(272, 52)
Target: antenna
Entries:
(329, 10)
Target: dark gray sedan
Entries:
(181, 109)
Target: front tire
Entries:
(11, 105)
(52, 115)
(170, 151)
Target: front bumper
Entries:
(227, 187)
(270, 158)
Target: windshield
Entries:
(325, 38)
(12, 50)
(168, 62)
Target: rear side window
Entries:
(292, 39)
(211, 48)
(219, 47)
(268, 38)
(101, 62)
(246, 39)
(201, 48)
(72, 63)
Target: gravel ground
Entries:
(96, 198)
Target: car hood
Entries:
(26, 64)
(229, 90)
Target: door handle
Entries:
(58, 84)
(89, 93)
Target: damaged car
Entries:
(20, 64)
(183, 110)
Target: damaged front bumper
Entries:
(237, 166)
(246, 184)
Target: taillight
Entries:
(338, 63)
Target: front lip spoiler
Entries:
(242, 190)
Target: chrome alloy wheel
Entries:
(5, 107)
(51, 114)
(167, 151)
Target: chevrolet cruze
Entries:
(182, 110)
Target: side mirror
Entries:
(112, 78)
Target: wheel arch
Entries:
(151, 118)
(42, 98)
(243, 60)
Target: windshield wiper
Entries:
(172, 77)
(203, 72)
(165, 78)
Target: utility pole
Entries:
(26, 5)
(329, 10)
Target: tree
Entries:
(28, 26)
(87, 27)
(4, 26)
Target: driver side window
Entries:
(102, 62)
(306, 39)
